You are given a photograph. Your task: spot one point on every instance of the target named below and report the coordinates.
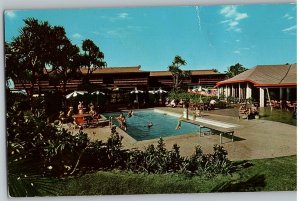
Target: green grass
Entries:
(278, 174)
(278, 115)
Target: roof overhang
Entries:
(257, 84)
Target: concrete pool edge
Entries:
(198, 119)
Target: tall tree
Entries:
(178, 74)
(66, 61)
(38, 50)
(235, 70)
(92, 57)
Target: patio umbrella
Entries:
(97, 93)
(200, 90)
(160, 92)
(136, 92)
(152, 91)
(75, 94)
(19, 92)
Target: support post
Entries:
(220, 137)
(288, 94)
(239, 91)
(248, 91)
(269, 98)
(261, 97)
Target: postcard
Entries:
(151, 100)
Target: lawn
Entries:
(278, 115)
(277, 174)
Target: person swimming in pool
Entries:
(150, 124)
(130, 113)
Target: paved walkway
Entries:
(254, 139)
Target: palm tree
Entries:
(178, 74)
(235, 70)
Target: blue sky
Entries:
(205, 36)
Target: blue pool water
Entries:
(163, 125)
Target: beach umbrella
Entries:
(200, 90)
(97, 93)
(19, 92)
(160, 92)
(136, 92)
(152, 91)
(75, 94)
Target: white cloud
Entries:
(95, 33)
(233, 23)
(238, 29)
(10, 13)
(240, 16)
(77, 35)
(240, 50)
(228, 11)
(119, 33)
(225, 21)
(233, 17)
(123, 15)
(289, 28)
(237, 40)
(288, 16)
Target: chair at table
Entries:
(81, 121)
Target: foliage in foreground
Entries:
(56, 153)
(276, 174)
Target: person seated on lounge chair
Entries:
(180, 104)
(173, 104)
(167, 102)
(80, 107)
(93, 112)
(212, 104)
(253, 110)
(70, 114)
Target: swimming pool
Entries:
(163, 125)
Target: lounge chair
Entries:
(244, 112)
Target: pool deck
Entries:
(254, 139)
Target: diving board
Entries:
(222, 127)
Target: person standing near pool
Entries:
(179, 123)
(122, 121)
